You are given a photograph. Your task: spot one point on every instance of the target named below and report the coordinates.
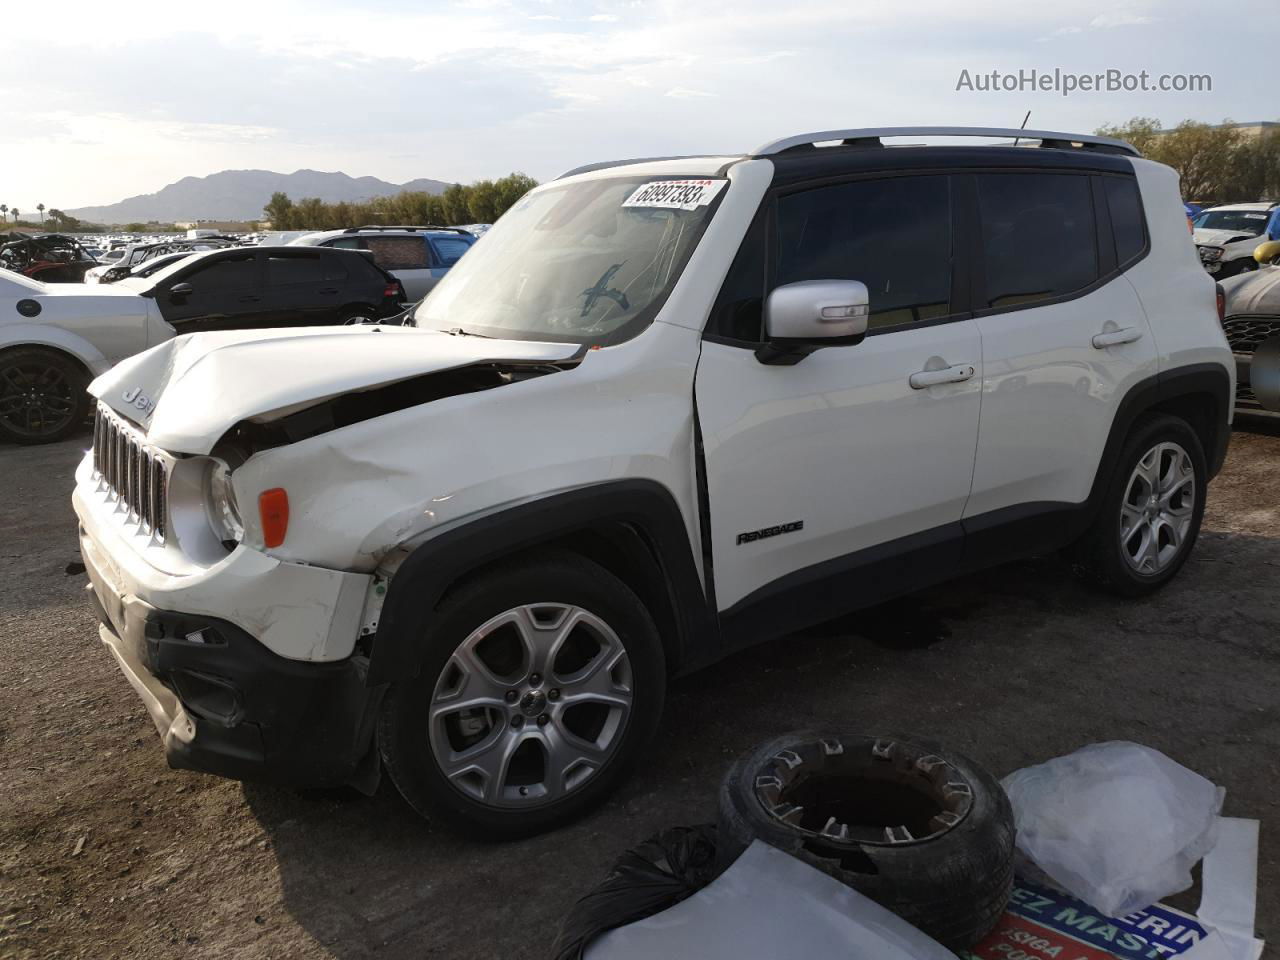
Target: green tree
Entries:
(40, 207)
(4, 213)
(279, 210)
(14, 211)
(455, 205)
(1209, 159)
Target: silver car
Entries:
(416, 256)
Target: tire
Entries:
(483, 632)
(836, 800)
(1109, 553)
(357, 314)
(42, 395)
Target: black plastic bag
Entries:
(648, 879)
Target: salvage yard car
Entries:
(55, 338)
(1252, 317)
(416, 256)
(665, 410)
(1227, 235)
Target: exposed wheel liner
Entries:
(555, 577)
(950, 873)
(422, 579)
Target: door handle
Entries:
(932, 378)
(1113, 338)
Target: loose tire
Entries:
(42, 395)
(922, 830)
(1151, 510)
(543, 682)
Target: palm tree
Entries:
(40, 207)
(4, 212)
(14, 211)
(55, 215)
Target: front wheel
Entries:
(543, 682)
(42, 396)
(1151, 510)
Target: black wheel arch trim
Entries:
(645, 506)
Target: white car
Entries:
(665, 410)
(54, 339)
(1226, 236)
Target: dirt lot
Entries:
(104, 852)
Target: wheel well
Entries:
(623, 549)
(13, 348)
(1200, 411)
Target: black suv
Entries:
(247, 287)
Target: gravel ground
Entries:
(105, 852)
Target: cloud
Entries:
(1118, 18)
(684, 93)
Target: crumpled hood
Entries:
(1254, 293)
(187, 392)
(1218, 238)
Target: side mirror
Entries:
(802, 317)
(180, 291)
(1267, 252)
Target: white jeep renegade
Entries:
(666, 409)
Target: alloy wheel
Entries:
(531, 705)
(36, 399)
(1158, 507)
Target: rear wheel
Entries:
(357, 314)
(542, 684)
(1151, 510)
(42, 395)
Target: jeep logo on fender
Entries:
(140, 400)
(752, 535)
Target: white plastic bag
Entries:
(1118, 825)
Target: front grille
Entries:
(134, 472)
(1245, 334)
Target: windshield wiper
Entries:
(459, 332)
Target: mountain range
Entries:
(241, 194)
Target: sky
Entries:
(107, 100)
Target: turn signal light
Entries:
(273, 508)
(1222, 303)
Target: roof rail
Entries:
(870, 136)
(606, 164)
(402, 226)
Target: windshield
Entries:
(588, 263)
(1252, 222)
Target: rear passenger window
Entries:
(293, 269)
(450, 250)
(399, 253)
(335, 265)
(1037, 236)
(893, 235)
(1127, 224)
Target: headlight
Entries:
(221, 506)
(1210, 254)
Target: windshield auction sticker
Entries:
(676, 194)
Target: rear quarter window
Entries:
(449, 250)
(399, 253)
(1127, 222)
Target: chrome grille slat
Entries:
(135, 473)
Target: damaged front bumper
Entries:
(224, 704)
(207, 650)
